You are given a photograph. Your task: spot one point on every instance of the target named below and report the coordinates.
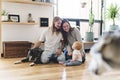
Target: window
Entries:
(72, 9)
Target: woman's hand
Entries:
(69, 53)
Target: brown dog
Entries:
(106, 53)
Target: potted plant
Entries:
(89, 35)
(4, 15)
(113, 13)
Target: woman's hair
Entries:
(65, 34)
(55, 19)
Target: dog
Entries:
(34, 56)
(105, 53)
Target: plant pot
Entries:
(4, 18)
(89, 36)
(48, 1)
(113, 27)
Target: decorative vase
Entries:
(48, 1)
(113, 27)
(4, 18)
(89, 36)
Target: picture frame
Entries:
(44, 22)
(13, 17)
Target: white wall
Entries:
(12, 32)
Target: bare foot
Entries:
(32, 64)
(64, 65)
(17, 62)
(60, 62)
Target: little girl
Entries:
(76, 55)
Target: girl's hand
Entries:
(70, 53)
(72, 60)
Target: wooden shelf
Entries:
(19, 23)
(29, 2)
(86, 42)
(88, 45)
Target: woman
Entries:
(70, 35)
(51, 38)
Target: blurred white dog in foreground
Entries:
(106, 53)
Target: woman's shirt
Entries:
(51, 40)
(73, 36)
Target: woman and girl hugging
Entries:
(61, 43)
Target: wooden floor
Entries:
(10, 71)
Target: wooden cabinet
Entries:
(88, 45)
(13, 49)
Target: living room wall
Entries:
(15, 32)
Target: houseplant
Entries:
(89, 35)
(113, 13)
(4, 15)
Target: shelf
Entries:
(88, 45)
(90, 42)
(29, 2)
(19, 23)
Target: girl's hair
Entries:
(55, 19)
(65, 34)
(77, 45)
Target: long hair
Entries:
(55, 19)
(65, 34)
